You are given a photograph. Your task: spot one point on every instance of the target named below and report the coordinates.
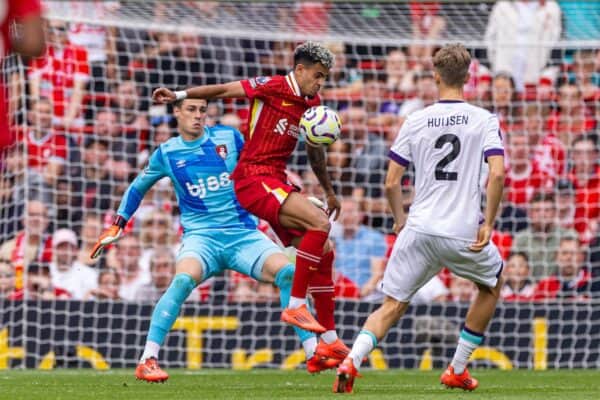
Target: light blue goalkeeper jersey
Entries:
(199, 171)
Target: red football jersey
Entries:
(276, 106)
(10, 11)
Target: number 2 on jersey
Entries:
(440, 174)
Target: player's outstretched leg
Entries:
(376, 327)
(314, 362)
(471, 336)
(163, 317)
(322, 290)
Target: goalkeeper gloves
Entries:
(110, 235)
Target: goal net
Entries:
(86, 127)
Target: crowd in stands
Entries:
(89, 127)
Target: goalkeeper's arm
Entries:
(220, 91)
(131, 201)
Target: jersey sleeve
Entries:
(400, 151)
(492, 142)
(134, 194)
(260, 86)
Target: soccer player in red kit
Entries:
(23, 19)
(276, 105)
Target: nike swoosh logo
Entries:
(286, 104)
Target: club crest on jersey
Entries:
(221, 150)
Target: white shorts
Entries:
(417, 257)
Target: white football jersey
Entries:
(448, 143)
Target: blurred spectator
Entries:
(95, 186)
(131, 275)
(342, 80)
(427, 25)
(369, 163)
(162, 270)
(232, 120)
(518, 285)
(359, 249)
(541, 239)
(565, 203)
(399, 76)
(572, 117)
(21, 29)
(39, 286)
(311, 185)
(586, 72)
(511, 218)
(13, 189)
(585, 176)
(339, 160)
(7, 279)
(66, 272)
(505, 100)
(581, 19)
(461, 290)
(519, 37)
(31, 244)
(311, 17)
(214, 111)
(425, 95)
(62, 75)
(108, 286)
(571, 281)
(131, 117)
(548, 152)
(157, 230)
(375, 96)
(46, 149)
(91, 229)
(247, 290)
(524, 177)
(122, 147)
(479, 84)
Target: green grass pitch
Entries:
(270, 384)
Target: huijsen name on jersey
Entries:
(447, 121)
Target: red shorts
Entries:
(263, 196)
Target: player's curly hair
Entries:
(311, 53)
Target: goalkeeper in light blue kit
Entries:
(218, 233)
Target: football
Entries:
(320, 125)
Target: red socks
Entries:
(308, 258)
(322, 290)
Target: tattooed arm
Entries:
(317, 159)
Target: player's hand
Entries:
(397, 227)
(483, 238)
(109, 236)
(163, 96)
(333, 206)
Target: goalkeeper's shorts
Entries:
(241, 250)
(417, 257)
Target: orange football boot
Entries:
(302, 318)
(336, 350)
(316, 364)
(149, 371)
(344, 380)
(463, 381)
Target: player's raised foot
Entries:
(344, 379)
(337, 350)
(302, 318)
(463, 381)
(149, 371)
(316, 364)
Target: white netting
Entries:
(86, 126)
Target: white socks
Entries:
(329, 336)
(296, 302)
(364, 343)
(309, 346)
(467, 343)
(151, 350)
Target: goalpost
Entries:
(383, 52)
